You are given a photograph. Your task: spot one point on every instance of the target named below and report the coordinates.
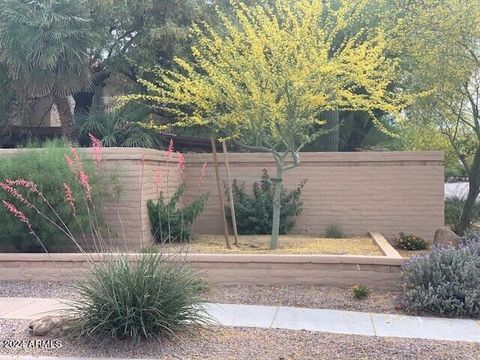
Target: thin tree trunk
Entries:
(473, 192)
(230, 193)
(277, 205)
(65, 115)
(220, 193)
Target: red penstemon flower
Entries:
(70, 164)
(15, 194)
(74, 152)
(69, 197)
(97, 149)
(75, 165)
(17, 213)
(86, 185)
(23, 183)
(170, 148)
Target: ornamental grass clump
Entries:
(150, 298)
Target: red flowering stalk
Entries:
(15, 194)
(69, 197)
(75, 165)
(29, 185)
(86, 185)
(17, 213)
(70, 164)
(74, 152)
(170, 148)
(181, 164)
(97, 149)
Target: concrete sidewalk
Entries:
(281, 317)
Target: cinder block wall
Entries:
(386, 192)
(141, 174)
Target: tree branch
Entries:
(253, 148)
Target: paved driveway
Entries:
(459, 189)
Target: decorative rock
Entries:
(50, 325)
(445, 237)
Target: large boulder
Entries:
(444, 237)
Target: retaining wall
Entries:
(328, 270)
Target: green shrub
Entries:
(169, 222)
(150, 298)
(48, 170)
(334, 232)
(254, 213)
(410, 242)
(361, 291)
(444, 282)
(453, 211)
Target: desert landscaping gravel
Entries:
(40, 289)
(287, 244)
(241, 343)
(380, 301)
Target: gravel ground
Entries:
(241, 343)
(380, 301)
(41, 289)
(287, 244)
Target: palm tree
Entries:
(44, 45)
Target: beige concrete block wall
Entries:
(384, 192)
(142, 174)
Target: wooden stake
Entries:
(230, 193)
(220, 193)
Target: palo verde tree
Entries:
(439, 42)
(266, 73)
(44, 46)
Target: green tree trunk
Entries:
(277, 205)
(473, 192)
